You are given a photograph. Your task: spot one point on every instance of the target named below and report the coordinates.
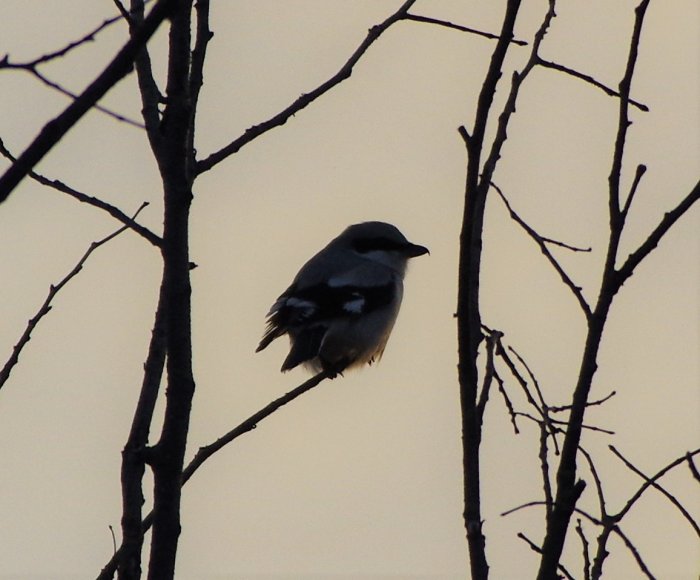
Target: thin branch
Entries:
(281, 118)
(670, 218)
(89, 37)
(691, 465)
(55, 86)
(492, 341)
(535, 548)
(584, 547)
(54, 130)
(115, 212)
(641, 170)
(651, 482)
(589, 79)
(207, 451)
(607, 397)
(598, 484)
(461, 28)
(568, 282)
(635, 553)
(46, 306)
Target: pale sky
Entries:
(360, 478)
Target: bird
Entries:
(342, 305)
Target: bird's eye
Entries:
(364, 245)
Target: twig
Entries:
(55, 86)
(280, 118)
(534, 547)
(641, 170)
(589, 79)
(207, 451)
(54, 130)
(115, 212)
(461, 28)
(670, 218)
(492, 341)
(691, 466)
(607, 397)
(652, 482)
(46, 306)
(584, 547)
(89, 37)
(568, 282)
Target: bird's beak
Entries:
(414, 250)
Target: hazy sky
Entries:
(361, 478)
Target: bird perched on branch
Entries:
(342, 305)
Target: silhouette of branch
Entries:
(115, 212)
(492, 341)
(641, 170)
(304, 100)
(589, 79)
(54, 130)
(670, 218)
(534, 547)
(588, 403)
(540, 241)
(46, 306)
(109, 112)
(32, 64)
(459, 27)
(207, 451)
(584, 547)
(691, 466)
(652, 482)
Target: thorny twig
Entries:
(45, 308)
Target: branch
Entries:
(670, 218)
(589, 79)
(207, 451)
(540, 241)
(586, 554)
(54, 130)
(461, 28)
(55, 86)
(46, 306)
(115, 212)
(89, 37)
(281, 118)
(651, 482)
(535, 548)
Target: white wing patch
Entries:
(356, 305)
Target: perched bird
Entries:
(342, 305)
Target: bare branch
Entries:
(281, 118)
(46, 306)
(89, 37)
(461, 28)
(635, 553)
(586, 554)
(651, 482)
(589, 79)
(691, 466)
(588, 404)
(207, 451)
(641, 170)
(540, 241)
(55, 86)
(492, 341)
(115, 212)
(537, 549)
(54, 130)
(670, 218)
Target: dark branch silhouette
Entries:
(53, 131)
(46, 306)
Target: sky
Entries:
(361, 477)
